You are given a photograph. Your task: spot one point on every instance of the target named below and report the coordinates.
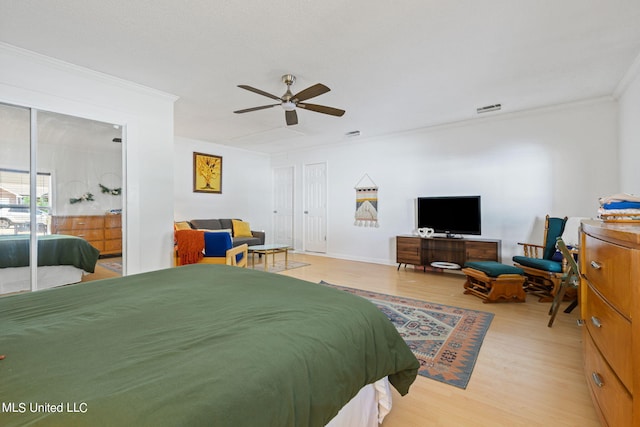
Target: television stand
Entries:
(421, 251)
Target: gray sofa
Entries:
(226, 224)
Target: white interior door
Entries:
(283, 205)
(315, 207)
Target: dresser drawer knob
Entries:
(596, 322)
(596, 379)
(595, 265)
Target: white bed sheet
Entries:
(367, 409)
(18, 279)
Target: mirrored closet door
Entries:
(61, 189)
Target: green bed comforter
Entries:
(53, 249)
(207, 345)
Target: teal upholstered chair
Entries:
(541, 264)
(570, 279)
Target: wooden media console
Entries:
(421, 251)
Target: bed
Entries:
(61, 260)
(195, 345)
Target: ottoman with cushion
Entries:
(492, 281)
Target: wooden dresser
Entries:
(104, 232)
(610, 308)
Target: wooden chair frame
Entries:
(570, 279)
(506, 287)
(544, 284)
(230, 257)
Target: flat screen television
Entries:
(451, 215)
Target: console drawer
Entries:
(481, 251)
(608, 269)
(408, 250)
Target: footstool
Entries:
(492, 281)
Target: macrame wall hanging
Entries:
(366, 202)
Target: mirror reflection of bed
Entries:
(78, 182)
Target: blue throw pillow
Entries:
(216, 244)
(557, 256)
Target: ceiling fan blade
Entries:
(322, 109)
(246, 110)
(291, 117)
(261, 92)
(310, 92)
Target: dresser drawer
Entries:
(608, 269)
(112, 246)
(98, 244)
(610, 396)
(612, 334)
(77, 222)
(113, 221)
(112, 233)
(88, 235)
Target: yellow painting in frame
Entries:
(207, 173)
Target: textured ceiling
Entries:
(392, 65)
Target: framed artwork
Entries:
(207, 173)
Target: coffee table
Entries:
(271, 249)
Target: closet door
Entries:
(283, 205)
(83, 158)
(15, 199)
(55, 168)
(315, 207)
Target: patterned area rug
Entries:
(115, 266)
(279, 266)
(446, 340)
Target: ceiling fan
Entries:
(290, 102)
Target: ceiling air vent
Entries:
(494, 107)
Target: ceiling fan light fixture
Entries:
(288, 106)
(291, 102)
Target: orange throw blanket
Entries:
(190, 246)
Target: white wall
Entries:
(630, 135)
(246, 185)
(524, 165)
(76, 172)
(557, 160)
(36, 81)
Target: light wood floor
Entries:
(101, 272)
(526, 374)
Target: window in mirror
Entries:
(15, 199)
